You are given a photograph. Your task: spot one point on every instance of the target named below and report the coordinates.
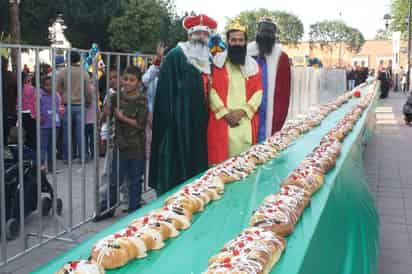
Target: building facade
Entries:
(372, 54)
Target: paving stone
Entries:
(392, 212)
(395, 256)
(408, 203)
(409, 217)
(392, 203)
(388, 195)
(391, 149)
(392, 219)
(385, 189)
(393, 268)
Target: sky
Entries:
(365, 15)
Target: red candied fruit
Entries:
(74, 264)
(227, 265)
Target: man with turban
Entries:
(179, 144)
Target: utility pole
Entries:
(14, 29)
(409, 46)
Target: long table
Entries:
(337, 234)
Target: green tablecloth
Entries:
(338, 232)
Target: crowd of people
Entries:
(391, 79)
(356, 74)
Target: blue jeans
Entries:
(46, 144)
(76, 128)
(134, 169)
(351, 84)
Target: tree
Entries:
(4, 18)
(172, 30)
(14, 29)
(290, 28)
(87, 20)
(143, 24)
(140, 26)
(382, 34)
(399, 14)
(329, 33)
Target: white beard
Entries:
(197, 54)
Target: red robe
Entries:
(282, 93)
(217, 133)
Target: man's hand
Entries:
(160, 50)
(233, 117)
(230, 119)
(238, 114)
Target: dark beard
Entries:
(237, 54)
(265, 44)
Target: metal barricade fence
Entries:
(36, 207)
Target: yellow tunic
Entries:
(240, 137)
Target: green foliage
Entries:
(125, 25)
(290, 28)
(383, 34)
(327, 33)
(143, 24)
(4, 17)
(139, 27)
(399, 14)
(87, 20)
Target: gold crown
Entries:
(236, 25)
(267, 19)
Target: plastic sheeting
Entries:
(313, 86)
(337, 234)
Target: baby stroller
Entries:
(12, 189)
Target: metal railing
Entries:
(72, 194)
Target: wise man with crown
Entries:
(179, 144)
(234, 99)
(276, 77)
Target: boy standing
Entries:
(130, 122)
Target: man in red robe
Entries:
(276, 78)
(234, 99)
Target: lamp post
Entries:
(409, 45)
(387, 19)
